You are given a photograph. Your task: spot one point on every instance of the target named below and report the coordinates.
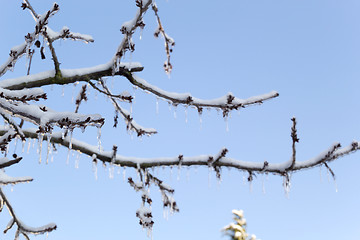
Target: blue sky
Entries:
(308, 51)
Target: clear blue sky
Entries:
(308, 51)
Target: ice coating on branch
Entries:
(6, 179)
(22, 95)
(21, 82)
(65, 33)
(226, 101)
(43, 115)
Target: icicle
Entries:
(171, 172)
(28, 148)
(227, 123)
(70, 140)
(40, 137)
(48, 137)
(124, 174)
(68, 156)
(209, 177)
(99, 138)
(111, 171)
(23, 146)
(336, 187)
(186, 114)
(169, 103)
(166, 213)
(95, 169)
(73, 93)
(287, 184)
(188, 174)
(263, 184)
(15, 144)
(77, 161)
(63, 91)
(200, 119)
(175, 116)
(178, 172)
(141, 32)
(157, 105)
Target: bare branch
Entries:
(169, 41)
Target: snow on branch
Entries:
(130, 122)
(22, 228)
(6, 179)
(17, 51)
(45, 117)
(128, 29)
(219, 160)
(68, 76)
(65, 33)
(5, 162)
(226, 103)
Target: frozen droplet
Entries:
(227, 123)
(175, 115)
(77, 161)
(178, 173)
(73, 93)
(187, 174)
(94, 168)
(209, 176)
(99, 138)
(68, 156)
(171, 172)
(70, 140)
(48, 152)
(111, 171)
(141, 32)
(40, 137)
(263, 184)
(15, 144)
(336, 187)
(169, 103)
(28, 148)
(124, 174)
(287, 185)
(23, 146)
(157, 105)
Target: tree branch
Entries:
(334, 152)
(22, 228)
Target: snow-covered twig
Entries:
(21, 227)
(18, 51)
(130, 122)
(225, 103)
(128, 28)
(44, 116)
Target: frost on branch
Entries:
(17, 105)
